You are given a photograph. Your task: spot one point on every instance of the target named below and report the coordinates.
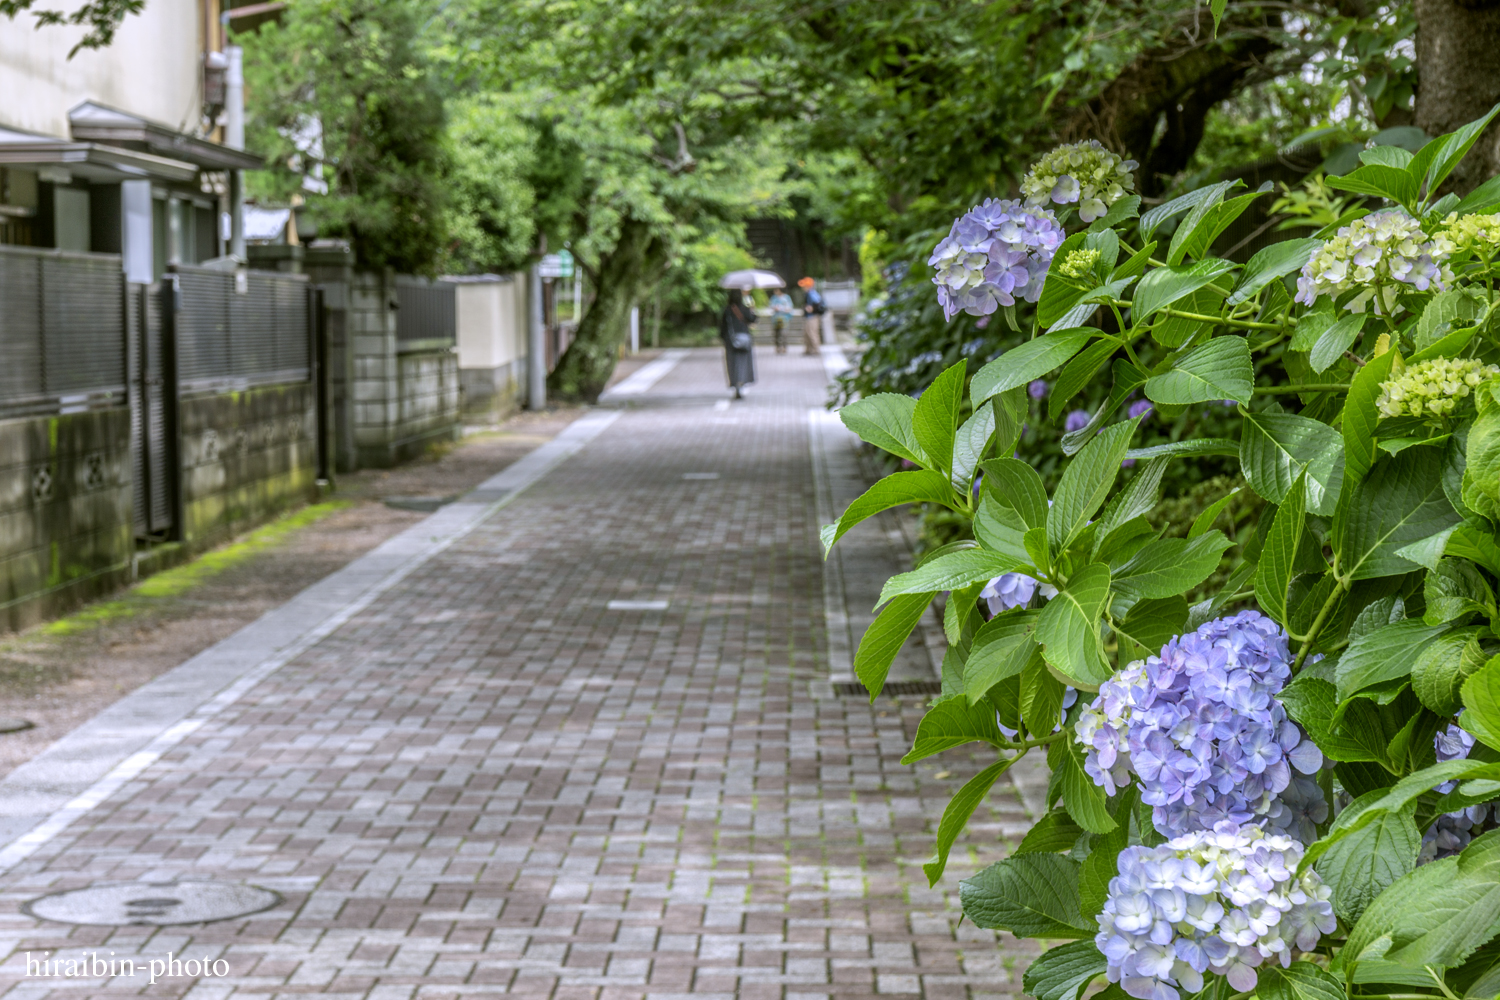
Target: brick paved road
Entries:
(486, 782)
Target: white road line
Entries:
(646, 376)
(42, 798)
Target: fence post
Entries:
(536, 345)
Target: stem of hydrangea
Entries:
(1024, 745)
(1317, 626)
(1242, 324)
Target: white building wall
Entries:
(492, 342)
(152, 69)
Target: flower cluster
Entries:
(1079, 263)
(1383, 247)
(1076, 420)
(1081, 173)
(994, 252)
(1013, 590)
(1434, 388)
(1201, 727)
(1223, 901)
(1461, 234)
(1451, 832)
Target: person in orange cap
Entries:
(813, 308)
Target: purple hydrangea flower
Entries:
(1139, 408)
(1077, 420)
(994, 252)
(1451, 832)
(1201, 728)
(1037, 389)
(1224, 900)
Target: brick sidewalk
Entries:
(487, 783)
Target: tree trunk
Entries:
(1458, 78)
(584, 369)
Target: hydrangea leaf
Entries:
(1219, 369)
(1438, 676)
(1000, 529)
(1078, 374)
(1311, 325)
(1299, 981)
(1400, 501)
(1064, 972)
(1211, 513)
(1454, 590)
(1053, 833)
(949, 571)
(1481, 698)
(1102, 863)
(1169, 567)
(1127, 378)
(1139, 497)
(1440, 913)
(1456, 147)
(1383, 655)
(1191, 448)
(1068, 627)
(1276, 448)
(1085, 482)
(1441, 313)
(1121, 211)
(885, 637)
(1060, 291)
(1360, 416)
(1166, 285)
(1002, 648)
(1154, 217)
(1361, 865)
(884, 420)
(1041, 697)
(1084, 800)
(1380, 180)
(899, 488)
(1031, 895)
(952, 722)
(1018, 486)
(1334, 341)
(1312, 702)
(1031, 360)
(1270, 263)
(934, 420)
(1202, 233)
(1151, 624)
(1481, 200)
(956, 816)
(1278, 557)
(971, 443)
(1174, 331)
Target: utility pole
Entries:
(536, 344)
(234, 138)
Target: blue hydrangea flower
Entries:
(1451, 832)
(1374, 253)
(1037, 389)
(1139, 408)
(1077, 420)
(1224, 900)
(994, 252)
(1200, 727)
(1013, 590)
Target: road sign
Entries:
(557, 265)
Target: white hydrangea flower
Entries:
(1081, 173)
(1374, 253)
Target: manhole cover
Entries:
(159, 903)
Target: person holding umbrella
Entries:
(734, 325)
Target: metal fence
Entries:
(227, 339)
(426, 311)
(62, 331)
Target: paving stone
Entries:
(488, 782)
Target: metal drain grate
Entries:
(893, 689)
(119, 904)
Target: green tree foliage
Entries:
(354, 72)
(494, 214)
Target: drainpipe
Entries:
(536, 345)
(234, 138)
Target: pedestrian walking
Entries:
(739, 346)
(813, 308)
(782, 310)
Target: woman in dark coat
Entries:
(739, 346)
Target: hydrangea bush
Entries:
(1275, 766)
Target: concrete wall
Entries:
(246, 457)
(151, 69)
(492, 318)
(65, 512)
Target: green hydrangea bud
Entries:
(1079, 262)
(1461, 234)
(1432, 390)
